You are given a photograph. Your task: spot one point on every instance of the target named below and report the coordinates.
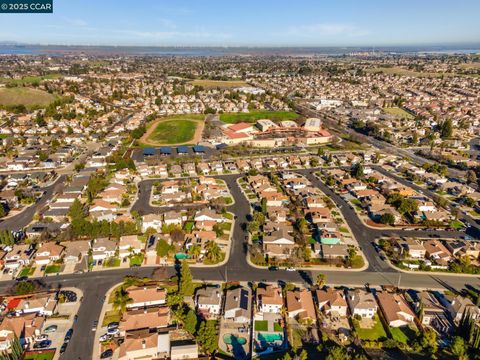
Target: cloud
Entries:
(326, 29)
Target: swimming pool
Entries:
(269, 338)
(229, 338)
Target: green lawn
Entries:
(112, 262)
(375, 333)
(173, 132)
(261, 325)
(25, 96)
(343, 230)
(188, 226)
(403, 334)
(53, 269)
(111, 316)
(136, 260)
(27, 271)
(457, 224)
(232, 118)
(277, 327)
(29, 79)
(398, 112)
(40, 355)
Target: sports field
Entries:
(25, 96)
(174, 130)
(232, 118)
(218, 83)
(398, 112)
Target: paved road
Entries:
(95, 284)
(18, 222)
(473, 230)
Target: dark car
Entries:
(106, 354)
(63, 348)
(42, 344)
(68, 335)
(273, 268)
(113, 325)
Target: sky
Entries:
(248, 23)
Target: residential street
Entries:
(95, 284)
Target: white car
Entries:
(41, 337)
(291, 269)
(104, 337)
(113, 332)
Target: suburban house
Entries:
(48, 252)
(208, 301)
(20, 255)
(208, 215)
(433, 312)
(153, 221)
(145, 296)
(300, 305)
(395, 309)
(362, 303)
(459, 305)
(43, 305)
(278, 243)
(143, 346)
(103, 248)
(128, 245)
(332, 302)
(237, 305)
(415, 249)
(24, 327)
(75, 250)
(145, 319)
(269, 299)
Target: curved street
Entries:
(95, 284)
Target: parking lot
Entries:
(57, 326)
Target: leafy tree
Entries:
(387, 218)
(185, 286)
(458, 347)
(24, 288)
(320, 280)
(471, 176)
(446, 129)
(2, 211)
(358, 171)
(190, 322)
(338, 353)
(207, 336)
(163, 248)
(428, 342)
(77, 210)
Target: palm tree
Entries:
(194, 251)
(121, 299)
(213, 251)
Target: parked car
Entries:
(273, 268)
(68, 335)
(113, 325)
(113, 332)
(106, 354)
(104, 337)
(50, 329)
(63, 348)
(94, 325)
(42, 344)
(41, 337)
